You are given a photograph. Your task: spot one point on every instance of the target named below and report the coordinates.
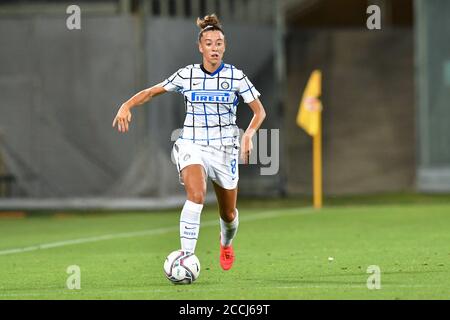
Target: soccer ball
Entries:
(182, 267)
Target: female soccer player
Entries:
(208, 144)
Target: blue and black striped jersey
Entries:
(211, 101)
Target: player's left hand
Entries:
(246, 148)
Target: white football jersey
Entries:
(211, 101)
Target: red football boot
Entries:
(226, 257)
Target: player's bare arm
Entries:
(258, 117)
(123, 117)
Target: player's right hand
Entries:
(122, 119)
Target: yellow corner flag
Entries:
(310, 105)
(309, 118)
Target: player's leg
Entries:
(229, 222)
(194, 180)
(195, 184)
(228, 213)
(191, 169)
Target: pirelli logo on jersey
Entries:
(211, 96)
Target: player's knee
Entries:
(228, 215)
(197, 196)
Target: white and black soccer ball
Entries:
(182, 267)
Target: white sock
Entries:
(228, 230)
(190, 225)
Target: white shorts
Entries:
(220, 162)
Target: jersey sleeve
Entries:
(174, 82)
(247, 90)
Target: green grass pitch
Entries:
(282, 252)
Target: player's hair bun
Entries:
(209, 23)
(209, 20)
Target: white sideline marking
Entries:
(264, 215)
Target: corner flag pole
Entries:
(317, 164)
(309, 118)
